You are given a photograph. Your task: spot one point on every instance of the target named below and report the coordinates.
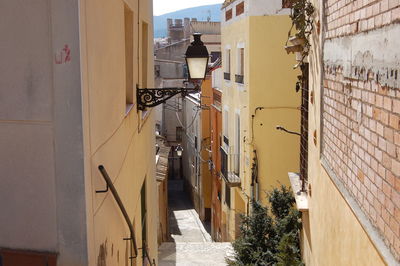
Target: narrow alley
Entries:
(190, 242)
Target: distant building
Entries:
(257, 95)
(215, 155)
(170, 69)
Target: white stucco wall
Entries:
(41, 159)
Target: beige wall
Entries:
(272, 86)
(235, 100)
(41, 156)
(268, 83)
(332, 232)
(60, 117)
(122, 142)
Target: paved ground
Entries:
(194, 253)
(191, 243)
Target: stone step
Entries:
(194, 253)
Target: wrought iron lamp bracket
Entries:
(150, 97)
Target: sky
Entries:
(161, 7)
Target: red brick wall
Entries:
(346, 17)
(361, 120)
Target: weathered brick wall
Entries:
(346, 17)
(361, 112)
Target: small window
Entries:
(228, 195)
(239, 77)
(145, 44)
(128, 17)
(228, 61)
(144, 62)
(226, 126)
(241, 61)
(227, 64)
(240, 9)
(237, 145)
(228, 14)
(215, 56)
(286, 4)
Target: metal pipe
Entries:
(287, 131)
(121, 207)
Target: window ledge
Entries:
(300, 197)
(128, 108)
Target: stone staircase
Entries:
(194, 253)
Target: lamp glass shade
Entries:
(179, 150)
(197, 67)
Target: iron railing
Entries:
(227, 76)
(304, 129)
(239, 79)
(224, 163)
(228, 161)
(121, 206)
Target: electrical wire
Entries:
(191, 123)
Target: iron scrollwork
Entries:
(150, 97)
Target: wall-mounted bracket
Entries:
(150, 97)
(104, 190)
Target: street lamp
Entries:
(196, 59)
(179, 150)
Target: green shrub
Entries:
(270, 238)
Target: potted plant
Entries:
(302, 22)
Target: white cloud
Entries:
(165, 6)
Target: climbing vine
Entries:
(302, 25)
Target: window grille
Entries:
(304, 129)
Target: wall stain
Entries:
(102, 257)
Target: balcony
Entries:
(227, 76)
(299, 195)
(226, 140)
(239, 79)
(231, 178)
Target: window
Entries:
(304, 130)
(215, 56)
(144, 218)
(227, 195)
(128, 17)
(228, 14)
(240, 66)
(241, 61)
(224, 163)
(239, 8)
(286, 4)
(226, 126)
(145, 44)
(144, 64)
(237, 145)
(227, 73)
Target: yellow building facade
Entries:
(85, 59)
(118, 57)
(337, 230)
(258, 95)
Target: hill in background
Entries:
(201, 13)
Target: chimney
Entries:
(178, 22)
(186, 27)
(169, 22)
